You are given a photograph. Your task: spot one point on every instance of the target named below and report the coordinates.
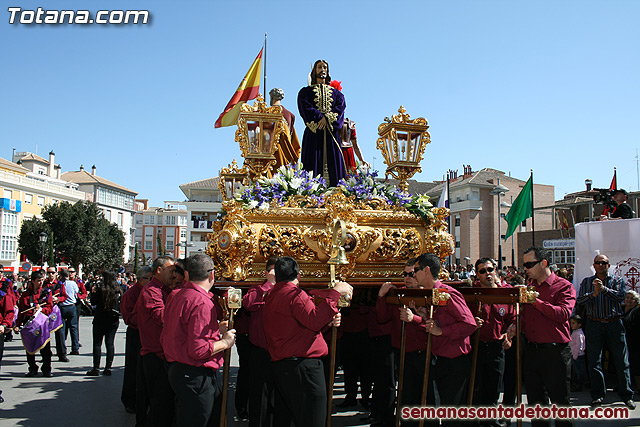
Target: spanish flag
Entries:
(249, 89)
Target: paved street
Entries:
(72, 399)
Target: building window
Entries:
(170, 245)
(148, 245)
(28, 199)
(107, 214)
(458, 244)
(152, 220)
(120, 219)
(183, 233)
(40, 201)
(8, 194)
(457, 221)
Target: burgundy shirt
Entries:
(191, 328)
(547, 320)
(128, 305)
(7, 302)
(253, 302)
(457, 324)
(43, 297)
(150, 312)
(497, 317)
(292, 321)
(374, 327)
(57, 289)
(354, 319)
(416, 334)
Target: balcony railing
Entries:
(37, 185)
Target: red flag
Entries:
(249, 89)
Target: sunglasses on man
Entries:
(486, 270)
(530, 264)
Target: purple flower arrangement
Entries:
(292, 180)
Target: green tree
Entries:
(29, 239)
(82, 236)
(135, 259)
(160, 247)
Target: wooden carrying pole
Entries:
(225, 379)
(403, 347)
(474, 361)
(332, 370)
(427, 366)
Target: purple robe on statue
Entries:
(315, 102)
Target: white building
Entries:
(204, 202)
(27, 185)
(115, 201)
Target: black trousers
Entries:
(103, 328)
(45, 352)
(546, 371)
(243, 346)
(131, 353)
(266, 405)
(413, 380)
(450, 376)
(384, 379)
(161, 396)
(489, 373)
(142, 394)
(302, 385)
(197, 391)
(510, 377)
(355, 355)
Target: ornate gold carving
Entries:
(285, 241)
(232, 175)
(398, 244)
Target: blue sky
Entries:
(543, 85)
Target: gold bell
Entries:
(338, 256)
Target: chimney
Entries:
(81, 168)
(588, 183)
(93, 170)
(58, 171)
(52, 158)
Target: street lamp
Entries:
(43, 239)
(499, 190)
(185, 245)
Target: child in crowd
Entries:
(578, 346)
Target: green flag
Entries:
(521, 209)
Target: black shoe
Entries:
(243, 415)
(31, 374)
(47, 374)
(347, 404)
(597, 402)
(93, 373)
(630, 404)
(75, 353)
(63, 358)
(129, 410)
(106, 372)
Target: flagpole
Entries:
(449, 217)
(533, 221)
(264, 90)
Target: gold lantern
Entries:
(259, 130)
(402, 142)
(232, 179)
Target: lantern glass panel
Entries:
(403, 148)
(254, 136)
(415, 143)
(267, 136)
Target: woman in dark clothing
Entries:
(631, 321)
(105, 320)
